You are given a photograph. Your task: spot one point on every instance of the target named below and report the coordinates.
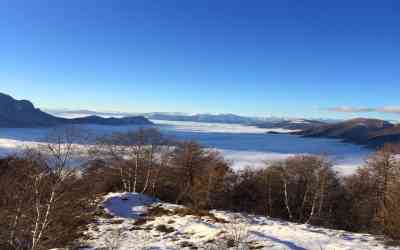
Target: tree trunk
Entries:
(287, 200)
(45, 222)
(136, 170)
(312, 208)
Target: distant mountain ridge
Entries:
(66, 113)
(22, 113)
(262, 122)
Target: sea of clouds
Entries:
(244, 146)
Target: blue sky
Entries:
(317, 58)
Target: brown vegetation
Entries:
(45, 202)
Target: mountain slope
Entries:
(371, 132)
(22, 113)
(135, 221)
(388, 135)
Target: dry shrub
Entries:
(237, 234)
(198, 213)
(164, 229)
(157, 211)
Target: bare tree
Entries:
(15, 202)
(57, 157)
(187, 161)
(165, 158)
(135, 154)
(112, 151)
(385, 169)
(285, 181)
(153, 149)
(306, 181)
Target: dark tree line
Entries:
(46, 202)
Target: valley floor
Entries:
(134, 221)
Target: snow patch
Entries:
(127, 205)
(189, 232)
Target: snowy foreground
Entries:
(134, 221)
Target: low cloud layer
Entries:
(345, 109)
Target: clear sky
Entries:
(284, 58)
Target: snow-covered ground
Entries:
(128, 230)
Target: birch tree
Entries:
(56, 158)
(135, 154)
